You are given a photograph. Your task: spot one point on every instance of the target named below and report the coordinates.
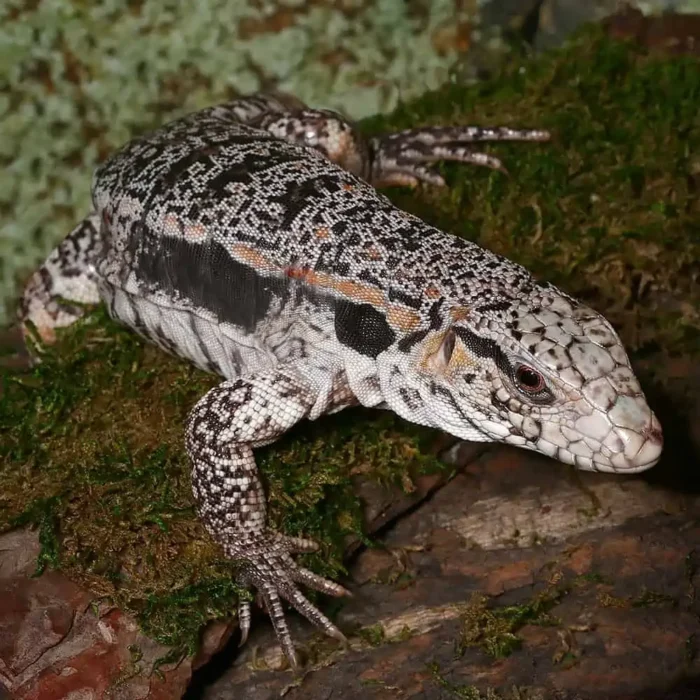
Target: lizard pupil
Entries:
(528, 379)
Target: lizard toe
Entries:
(244, 620)
(299, 545)
(318, 583)
(269, 567)
(273, 603)
(311, 613)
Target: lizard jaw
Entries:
(622, 450)
(633, 438)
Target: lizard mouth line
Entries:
(619, 464)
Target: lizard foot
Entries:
(267, 565)
(400, 158)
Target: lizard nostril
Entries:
(653, 435)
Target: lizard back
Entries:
(266, 248)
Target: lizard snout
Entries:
(642, 450)
(626, 446)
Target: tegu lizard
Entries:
(249, 239)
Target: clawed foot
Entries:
(267, 565)
(401, 158)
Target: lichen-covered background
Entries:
(78, 79)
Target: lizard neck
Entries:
(363, 379)
(383, 383)
(399, 390)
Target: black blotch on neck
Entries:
(362, 328)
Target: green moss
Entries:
(590, 577)
(645, 599)
(374, 635)
(92, 439)
(92, 455)
(471, 692)
(566, 660)
(653, 599)
(494, 629)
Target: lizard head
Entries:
(545, 373)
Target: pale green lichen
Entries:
(77, 80)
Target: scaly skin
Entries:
(248, 239)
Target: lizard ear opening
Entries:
(441, 359)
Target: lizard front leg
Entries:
(401, 158)
(222, 430)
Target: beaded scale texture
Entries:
(248, 238)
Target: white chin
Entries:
(467, 432)
(618, 464)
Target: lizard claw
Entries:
(244, 620)
(409, 175)
(268, 566)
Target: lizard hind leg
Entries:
(289, 119)
(54, 295)
(401, 158)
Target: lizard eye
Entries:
(529, 380)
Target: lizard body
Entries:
(248, 239)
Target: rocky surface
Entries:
(57, 642)
(604, 571)
(672, 33)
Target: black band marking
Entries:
(362, 328)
